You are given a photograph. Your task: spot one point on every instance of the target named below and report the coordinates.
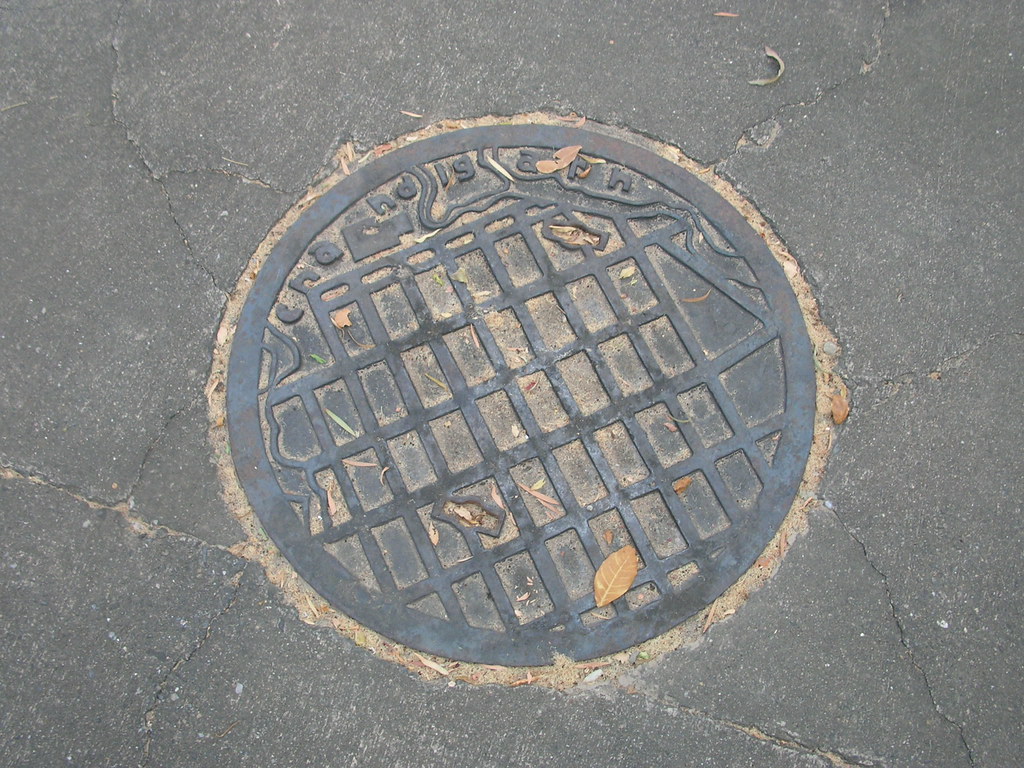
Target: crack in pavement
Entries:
(904, 641)
(747, 138)
(890, 385)
(836, 759)
(149, 716)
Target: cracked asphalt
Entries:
(149, 147)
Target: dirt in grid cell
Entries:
(502, 421)
(524, 587)
(740, 479)
(699, 406)
(430, 605)
(668, 350)
(438, 294)
(455, 441)
(382, 393)
(515, 255)
(664, 435)
(350, 553)
(702, 506)
(410, 461)
(580, 473)
(642, 595)
(602, 224)
(657, 522)
(399, 553)
(584, 385)
(543, 402)
(426, 376)
(551, 322)
(756, 384)
(480, 280)
(395, 312)
(633, 289)
(465, 347)
(625, 365)
(572, 563)
(508, 335)
(621, 454)
(591, 303)
(645, 225)
(683, 575)
(477, 605)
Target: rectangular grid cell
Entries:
(621, 454)
(524, 587)
(551, 322)
(591, 303)
(468, 353)
(625, 365)
(382, 394)
(580, 472)
(544, 404)
(664, 343)
(436, 289)
(502, 422)
(399, 552)
(508, 335)
(394, 311)
(514, 253)
(584, 385)
(480, 280)
(410, 461)
(664, 434)
(572, 563)
(657, 522)
(703, 413)
(426, 376)
(457, 445)
(633, 289)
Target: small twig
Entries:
(13, 106)
(236, 162)
(439, 383)
(227, 730)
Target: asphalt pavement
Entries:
(149, 147)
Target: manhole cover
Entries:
(474, 369)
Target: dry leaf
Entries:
(432, 533)
(222, 334)
(499, 168)
(541, 497)
(575, 235)
(726, 14)
(548, 166)
(382, 474)
(410, 114)
(609, 537)
(566, 155)
(710, 617)
(431, 664)
(680, 485)
(355, 463)
(342, 318)
(627, 272)
(840, 408)
(524, 596)
(496, 498)
(771, 54)
(424, 238)
(671, 427)
(539, 484)
(460, 276)
(699, 298)
(584, 173)
(615, 576)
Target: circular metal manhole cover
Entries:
(464, 377)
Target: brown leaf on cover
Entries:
(496, 498)
(566, 155)
(355, 463)
(680, 485)
(575, 235)
(609, 537)
(541, 497)
(548, 166)
(432, 534)
(840, 408)
(615, 576)
(342, 318)
(699, 298)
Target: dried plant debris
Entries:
(771, 54)
(615, 576)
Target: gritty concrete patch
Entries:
(564, 672)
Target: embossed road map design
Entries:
(460, 383)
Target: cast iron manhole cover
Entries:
(538, 358)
